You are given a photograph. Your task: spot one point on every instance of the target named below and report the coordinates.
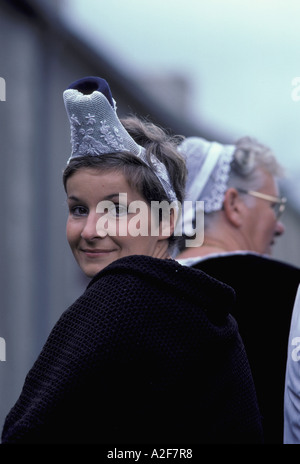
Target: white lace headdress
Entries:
(208, 165)
(96, 128)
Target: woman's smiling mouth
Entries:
(94, 253)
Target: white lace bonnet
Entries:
(208, 165)
(96, 128)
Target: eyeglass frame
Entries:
(278, 200)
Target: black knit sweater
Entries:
(265, 294)
(148, 354)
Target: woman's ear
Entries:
(233, 207)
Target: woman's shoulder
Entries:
(153, 271)
(144, 282)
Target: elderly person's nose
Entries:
(279, 229)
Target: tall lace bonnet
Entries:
(97, 130)
(208, 165)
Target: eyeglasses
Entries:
(278, 203)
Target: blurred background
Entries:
(219, 69)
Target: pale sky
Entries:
(240, 57)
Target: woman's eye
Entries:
(79, 211)
(118, 210)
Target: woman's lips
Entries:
(95, 253)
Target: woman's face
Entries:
(104, 225)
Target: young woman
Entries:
(149, 352)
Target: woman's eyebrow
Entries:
(113, 195)
(107, 197)
(72, 197)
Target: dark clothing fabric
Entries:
(148, 354)
(265, 294)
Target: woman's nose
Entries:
(89, 231)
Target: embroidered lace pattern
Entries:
(213, 200)
(109, 138)
(96, 130)
(208, 166)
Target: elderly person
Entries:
(242, 208)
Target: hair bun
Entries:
(244, 158)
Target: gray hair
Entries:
(250, 156)
(250, 159)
